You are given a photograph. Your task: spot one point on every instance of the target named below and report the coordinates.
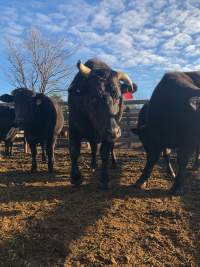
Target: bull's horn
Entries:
(84, 70)
(125, 78)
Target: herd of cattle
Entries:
(170, 120)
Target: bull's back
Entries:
(170, 116)
(48, 120)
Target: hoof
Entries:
(138, 185)
(195, 167)
(20, 183)
(114, 165)
(33, 170)
(76, 183)
(105, 186)
(50, 170)
(176, 191)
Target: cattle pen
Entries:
(45, 221)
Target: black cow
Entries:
(173, 122)
(40, 117)
(7, 116)
(95, 107)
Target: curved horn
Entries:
(84, 70)
(125, 78)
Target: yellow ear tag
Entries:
(38, 102)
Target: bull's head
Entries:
(25, 102)
(104, 98)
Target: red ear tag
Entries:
(128, 95)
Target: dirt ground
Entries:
(44, 221)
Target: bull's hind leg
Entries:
(152, 158)
(33, 154)
(182, 160)
(105, 153)
(93, 146)
(74, 150)
(113, 157)
(7, 148)
(50, 144)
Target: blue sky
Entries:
(144, 38)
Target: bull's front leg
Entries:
(105, 153)
(33, 155)
(43, 151)
(152, 158)
(7, 149)
(93, 164)
(113, 157)
(74, 151)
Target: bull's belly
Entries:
(176, 139)
(87, 134)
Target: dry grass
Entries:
(47, 222)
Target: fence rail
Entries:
(129, 120)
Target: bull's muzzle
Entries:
(114, 132)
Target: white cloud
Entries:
(108, 58)
(178, 41)
(13, 29)
(102, 20)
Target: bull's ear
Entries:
(6, 98)
(135, 131)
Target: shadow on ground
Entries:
(67, 212)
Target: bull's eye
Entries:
(113, 91)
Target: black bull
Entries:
(40, 117)
(172, 121)
(95, 108)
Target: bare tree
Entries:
(39, 64)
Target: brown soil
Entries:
(44, 221)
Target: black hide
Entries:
(172, 122)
